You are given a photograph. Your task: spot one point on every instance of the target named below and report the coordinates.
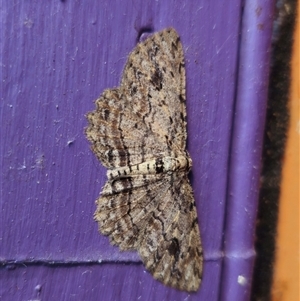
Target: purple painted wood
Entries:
(57, 57)
(245, 163)
(92, 282)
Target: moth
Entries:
(138, 131)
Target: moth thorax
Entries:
(175, 163)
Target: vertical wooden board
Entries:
(246, 150)
(58, 57)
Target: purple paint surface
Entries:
(57, 59)
(247, 140)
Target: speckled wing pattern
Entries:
(138, 131)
